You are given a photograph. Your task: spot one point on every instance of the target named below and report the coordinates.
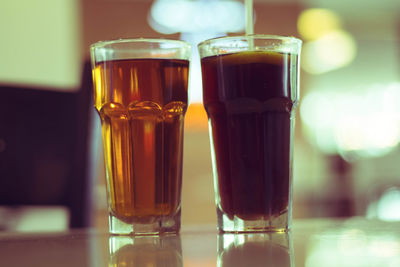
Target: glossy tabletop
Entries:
(310, 243)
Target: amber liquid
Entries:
(250, 103)
(142, 103)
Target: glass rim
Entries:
(287, 39)
(107, 43)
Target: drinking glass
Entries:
(250, 93)
(141, 96)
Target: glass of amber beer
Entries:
(141, 95)
(250, 93)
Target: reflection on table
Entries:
(146, 251)
(271, 249)
(351, 242)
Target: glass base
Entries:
(163, 225)
(277, 223)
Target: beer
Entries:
(142, 109)
(250, 99)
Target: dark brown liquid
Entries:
(250, 101)
(142, 109)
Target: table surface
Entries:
(310, 243)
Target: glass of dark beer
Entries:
(141, 95)
(250, 93)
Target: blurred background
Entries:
(346, 156)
